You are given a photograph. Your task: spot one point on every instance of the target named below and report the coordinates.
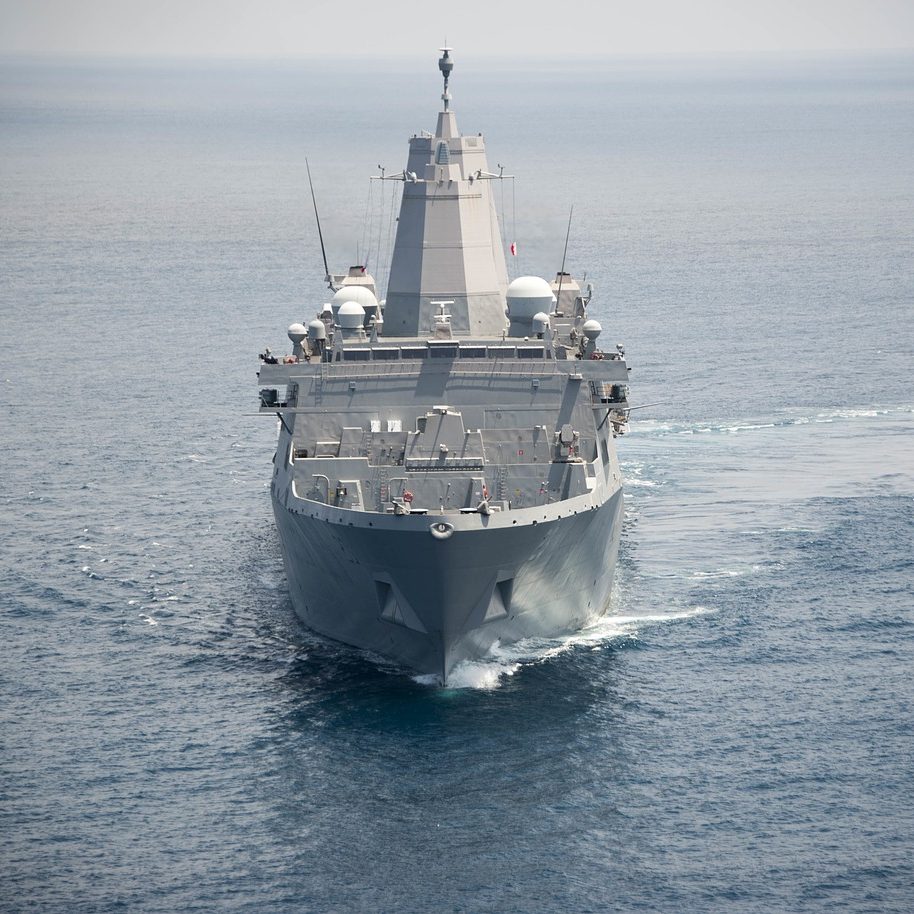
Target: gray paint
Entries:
(434, 495)
(448, 244)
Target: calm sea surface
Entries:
(735, 737)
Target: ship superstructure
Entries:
(446, 474)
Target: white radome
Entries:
(358, 294)
(351, 315)
(297, 332)
(592, 329)
(527, 295)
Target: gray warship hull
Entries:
(454, 598)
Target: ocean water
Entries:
(736, 735)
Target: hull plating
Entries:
(429, 603)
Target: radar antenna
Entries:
(320, 234)
(445, 65)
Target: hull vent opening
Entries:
(394, 609)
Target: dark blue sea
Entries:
(736, 736)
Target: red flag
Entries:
(514, 249)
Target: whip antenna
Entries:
(320, 234)
(567, 235)
(558, 295)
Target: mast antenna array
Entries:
(445, 65)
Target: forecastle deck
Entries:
(446, 435)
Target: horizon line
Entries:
(489, 56)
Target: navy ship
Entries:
(446, 475)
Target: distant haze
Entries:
(533, 31)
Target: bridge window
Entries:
(387, 353)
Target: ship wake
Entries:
(504, 661)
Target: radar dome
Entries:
(351, 315)
(540, 322)
(591, 329)
(527, 295)
(358, 294)
(317, 330)
(297, 332)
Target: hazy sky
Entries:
(340, 29)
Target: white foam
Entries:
(725, 572)
(735, 426)
(830, 415)
(746, 428)
(502, 662)
(271, 582)
(480, 674)
(643, 483)
(427, 679)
